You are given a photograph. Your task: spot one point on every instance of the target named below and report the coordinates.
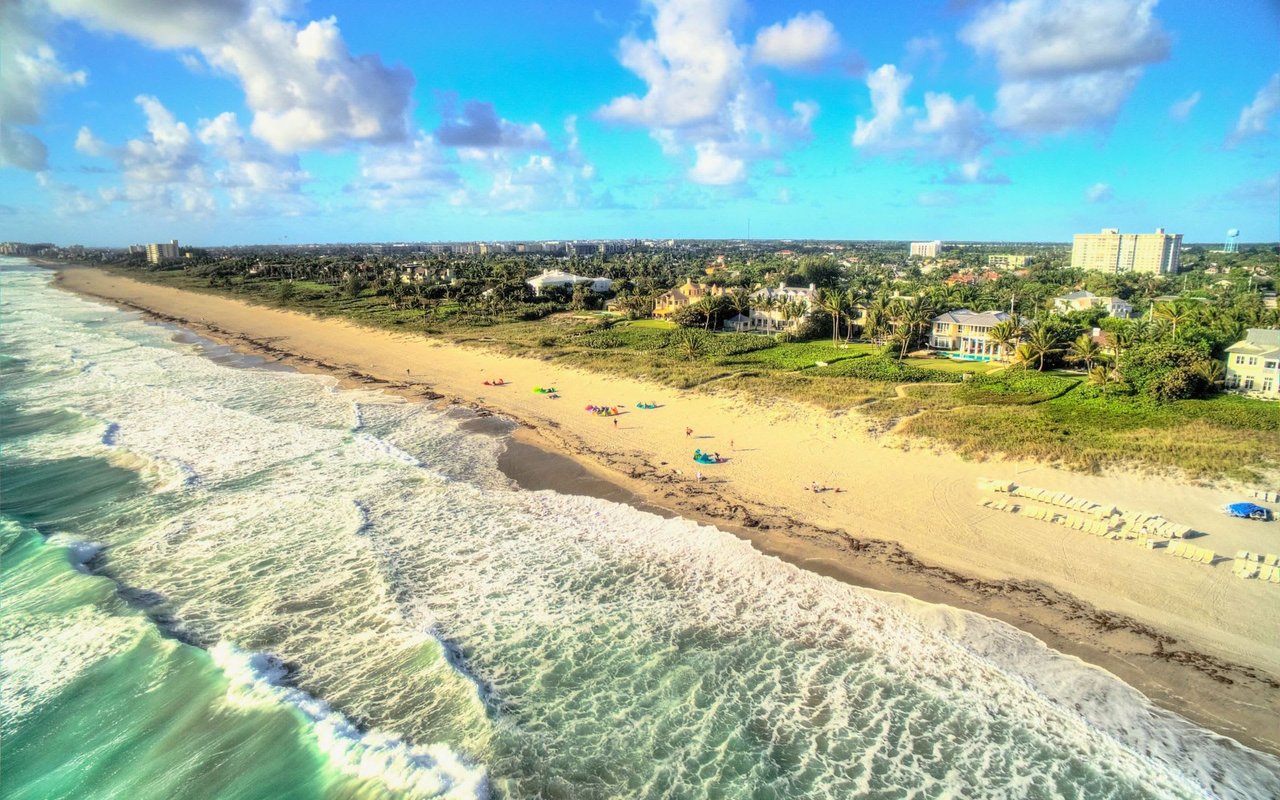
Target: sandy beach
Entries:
(1193, 637)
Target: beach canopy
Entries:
(1249, 511)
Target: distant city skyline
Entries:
(224, 122)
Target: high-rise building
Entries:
(926, 249)
(1157, 253)
(159, 252)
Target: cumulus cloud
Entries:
(945, 129)
(172, 170)
(1061, 105)
(305, 88)
(804, 42)
(1089, 53)
(1098, 193)
(29, 71)
(252, 176)
(888, 87)
(480, 126)
(1182, 109)
(405, 174)
(174, 23)
(701, 96)
(1254, 117)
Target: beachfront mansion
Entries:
(667, 303)
(773, 309)
(963, 334)
(1253, 365)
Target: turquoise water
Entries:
(231, 582)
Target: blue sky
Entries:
(268, 121)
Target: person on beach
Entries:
(688, 432)
(615, 423)
(699, 477)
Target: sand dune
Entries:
(1193, 637)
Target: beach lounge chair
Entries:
(1177, 549)
(1263, 572)
(1242, 555)
(1209, 556)
(1275, 575)
(1271, 559)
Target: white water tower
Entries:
(1233, 241)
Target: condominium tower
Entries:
(159, 252)
(1158, 253)
(926, 249)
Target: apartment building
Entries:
(926, 249)
(159, 252)
(1156, 253)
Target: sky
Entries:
(220, 122)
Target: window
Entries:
(1248, 382)
(1269, 365)
(1233, 381)
(1239, 359)
(1267, 384)
(1253, 361)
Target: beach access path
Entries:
(1193, 637)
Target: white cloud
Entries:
(254, 177)
(305, 88)
(804, 42)
(713, 167)
(405, 174)
(955, 128)
(945, 129)
(888, 87)
(29, 71)
(173, 23)
(171, 170)
(1254, 117)
(1063, 104)
(1089, 53)
(1098, 193)
(700, 94)
(1182, 109)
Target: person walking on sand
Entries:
(615, 422)
(688, 432)
(699, 477)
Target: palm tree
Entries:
(1173, 313)
(740, 302)
(1100, 376)
(1005, 335)
(1085, 349)
(832, 302)
(1211, 371)
(1041, 342)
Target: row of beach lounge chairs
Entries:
(1132, 522)
(1200, 555)
(1251, 565)
(1265, 496)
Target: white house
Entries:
(767, 312)
(1083, 301)
(558, 278)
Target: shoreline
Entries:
(1229, 691)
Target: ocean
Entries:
(224, 580)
